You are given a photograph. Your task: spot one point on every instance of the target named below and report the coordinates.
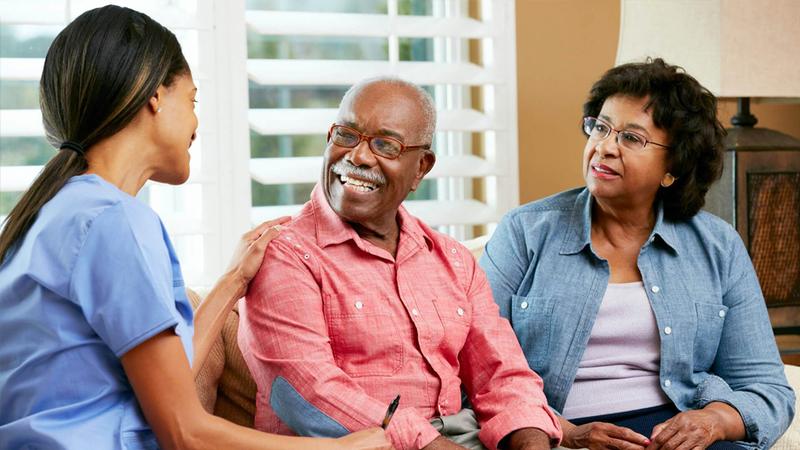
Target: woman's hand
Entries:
(369, 439)
(603, 436)
(249, 253)
(698, 428)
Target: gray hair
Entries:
(426, 101)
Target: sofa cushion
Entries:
(224, 384)
(791, 439)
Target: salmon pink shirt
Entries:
(334, 327)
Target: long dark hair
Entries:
(100, 71)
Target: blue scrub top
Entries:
(95, 276)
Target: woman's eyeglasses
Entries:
(598, 129)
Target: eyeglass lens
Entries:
(382, 146)
(599, 130)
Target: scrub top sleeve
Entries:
(124, 295)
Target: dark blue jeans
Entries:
(643, 421)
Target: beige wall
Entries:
(563, 46)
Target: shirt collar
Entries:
(331, 229)
(578, 233)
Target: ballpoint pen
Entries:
(390, 412)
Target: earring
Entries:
(667, 180)
(158, 110)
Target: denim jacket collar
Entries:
(578, 233)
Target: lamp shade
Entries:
(735, 48)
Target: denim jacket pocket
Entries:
(531, 319)
(709, 322)
(365, 337)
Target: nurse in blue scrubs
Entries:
(98, 335)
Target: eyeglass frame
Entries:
(369, 137)
(611, 128)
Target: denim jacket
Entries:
(716, 339)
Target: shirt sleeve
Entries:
(505, 260)
(122, 297)
(496, 373)
(284, 340)
(751, 376)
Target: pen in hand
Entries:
(390, 412)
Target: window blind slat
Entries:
(295, 23)
(27, 69)
(307, 169)
(347, 72)
(21, 123)
(277, 121)
(17, 178)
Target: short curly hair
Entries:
(687, 112)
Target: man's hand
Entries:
(698, 428)
(528, 439)
(442, 443)
(603, 436)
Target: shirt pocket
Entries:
(365, 336)
(455, 317)
(708, 331)
(532, 320)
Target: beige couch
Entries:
(226, 388)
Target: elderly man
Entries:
(358, 301)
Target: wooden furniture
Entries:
(759, 194)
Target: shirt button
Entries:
(460, 311)
(415, 312)
(722, 313)
(655, 289)
(306, 256)
(667, 330)
(453, 251)
(359, 305)
(523, 305)
(667, 383)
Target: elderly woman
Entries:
(642, 314)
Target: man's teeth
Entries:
(359, 185)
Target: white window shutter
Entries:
(448, 71)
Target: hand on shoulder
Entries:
(249, 253)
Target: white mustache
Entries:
(348, 169)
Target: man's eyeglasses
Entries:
(598, 129)
(384, 146)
